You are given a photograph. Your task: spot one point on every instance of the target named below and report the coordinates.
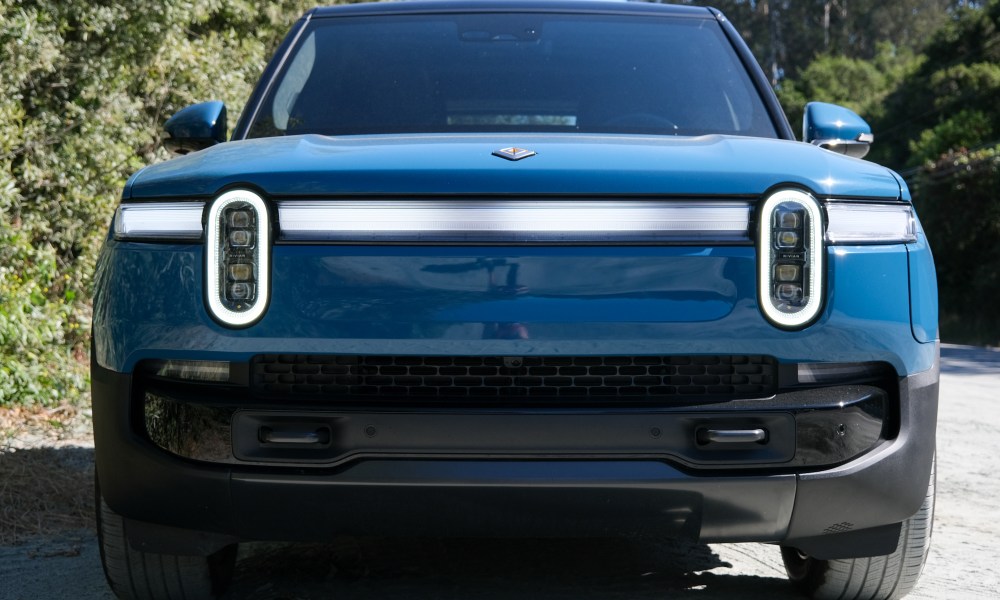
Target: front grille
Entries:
(333, 378)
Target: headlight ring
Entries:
(237, 268)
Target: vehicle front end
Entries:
(529, 331)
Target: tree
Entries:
(861, 85)
(949, 102)
(787, 35)
(943, 123)
(84, 90)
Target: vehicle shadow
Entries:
(969, 360)
(494, 569)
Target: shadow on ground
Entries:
(969, 360)
(494, 569)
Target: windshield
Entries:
(497, 72)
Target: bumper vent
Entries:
(434, 378)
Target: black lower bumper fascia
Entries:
(843, 512)
(510, 496)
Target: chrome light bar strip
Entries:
(159, 221)
(494, 221)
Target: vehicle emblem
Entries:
(513, 153)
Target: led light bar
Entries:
(193, 370)
(543, 221)
(826, 373)
(159, 221)
(869, 223)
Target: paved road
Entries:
(962, 563)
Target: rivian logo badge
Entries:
(513, 153)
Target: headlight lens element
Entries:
(159, 221)
(236, 258)
(870, 223)
(191, 370)
(790, 277)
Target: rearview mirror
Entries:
(836, 129)
(196, 127)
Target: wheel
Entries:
(135, 575)
(871, 578)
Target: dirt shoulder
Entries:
(46, 468)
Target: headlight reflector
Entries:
(236, 258)
(791, 251)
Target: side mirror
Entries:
(836, 129)
(196, 127)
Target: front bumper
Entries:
(483, 474)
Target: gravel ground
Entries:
(962, 562)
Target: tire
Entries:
(872, 578)
(136, 575)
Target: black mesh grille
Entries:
(497, 377)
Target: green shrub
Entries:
(861, 85)
(84, 90)
(958, 196)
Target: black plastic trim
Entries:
(885, 486)
(514, 497)
(874, 541)
(805, 429)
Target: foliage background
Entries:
(84, 89)
(85, 86)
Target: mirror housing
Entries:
(836, 129)
(196, 127)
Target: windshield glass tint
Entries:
(513, 72)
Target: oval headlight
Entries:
(790, 270)
(236, 258)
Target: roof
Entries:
(573, 6)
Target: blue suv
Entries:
(532, 268)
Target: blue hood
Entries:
(441, 164)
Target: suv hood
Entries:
(442, 164)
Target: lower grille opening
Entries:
(561, 379)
